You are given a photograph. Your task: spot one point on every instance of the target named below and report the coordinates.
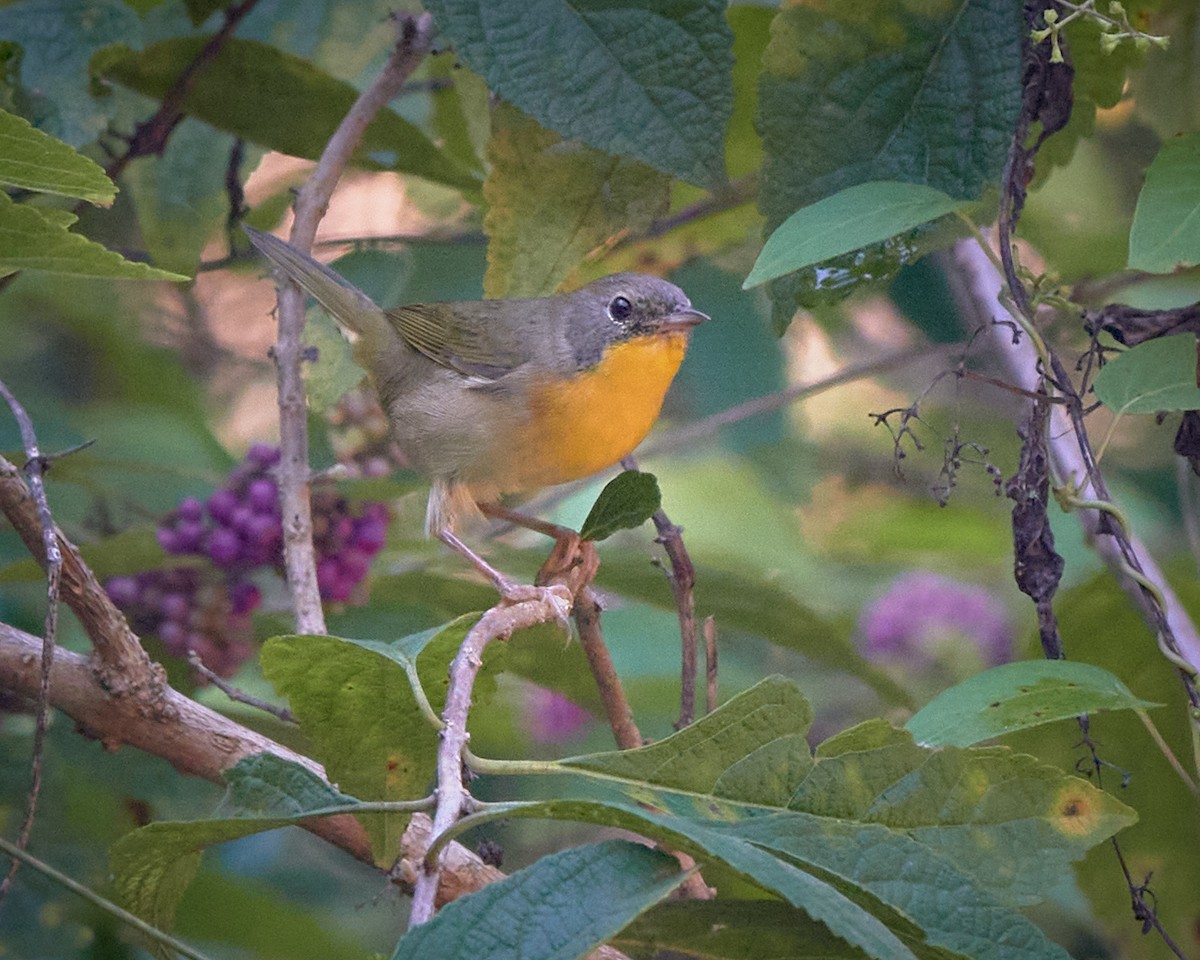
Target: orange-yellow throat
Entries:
(591, 420)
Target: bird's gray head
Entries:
(623, 306)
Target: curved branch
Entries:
(197, 741)
(416, 34)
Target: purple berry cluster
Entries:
(191, 613)
(238, 528)
(206, 609)
(345, 543)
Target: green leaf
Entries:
(855, 217)
(1011, 823)
(732, 930)
(1101, 624)
(201, 10)
(460, 112)
(182, 197)
(630, 77)
(872, 835)
(627, 501)
(334, 373)
(1016, 696)
(753, 750)
(557, 909)
(33, 160)
(30, 241)
(353, 699)
(1157, 375)
(58, 38)
(269, 787)
(875, 90)
(1165, 235)
(154, 865)
(280, 101)
(551, 203)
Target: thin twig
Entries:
(311, 204)
(710, 664)
(733, 194)
(239, 696)
(683, 583)
(1067, 451)
(769, 403)
(35, 465)
(608, 681)
(683, 587)
(501, 621)
(151, 136)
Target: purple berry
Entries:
(370, 534)
(354, 564)
(552, 718)
(168, 539)
(923, 611)
(244, 596)
(224, 547)
(190, 509)
(222, 504)
(243, 517)
(342, 589)
(123, 591)
(174, 637)
(263, 455)
(328, 574)
(175, 606)
(188, 534)
(263, 495)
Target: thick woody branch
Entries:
(311, 204)
(121, 665)
(195, 740)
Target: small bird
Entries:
(492, 397)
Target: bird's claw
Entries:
(556, 596)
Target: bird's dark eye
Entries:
(620, 309)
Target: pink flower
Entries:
(552, 718)
(925, 617)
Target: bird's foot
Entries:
(556, 596)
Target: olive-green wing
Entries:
(474, 338)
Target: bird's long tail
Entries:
(349, 306)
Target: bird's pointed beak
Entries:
(683, 320)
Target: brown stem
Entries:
(710, 664)
(120, 663)
(195, 740)
(150, 137)
(311, 203)
(608, 682)
(683, 586)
